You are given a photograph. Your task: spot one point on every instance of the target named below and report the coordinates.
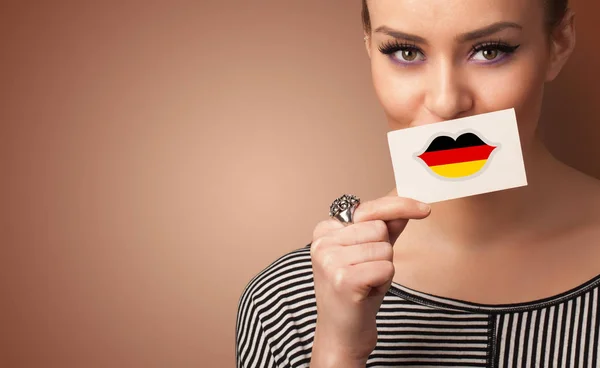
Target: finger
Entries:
(366, 252)
(389, 208)
(362, 232)
(363, 277)
(326, 227)
(395, 228)
(327, 233)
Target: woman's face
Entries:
(436, 60)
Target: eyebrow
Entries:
(469, 36)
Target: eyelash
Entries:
(394, 46)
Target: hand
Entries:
(353, 270)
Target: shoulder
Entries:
(277, 313)
(291, 272)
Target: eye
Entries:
(402, 52)
(488, 54)
(492, 51)
(407, 54)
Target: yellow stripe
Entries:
(458, 170)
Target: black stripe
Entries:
(491, 343)
(580, 318)
(571, 330)
(588, 330)
(596, 330)
(261, 355)
(536, 331)
(415, 323)
(382, 363)
(517, 337)
(403, 316)
(553, 336)
(445, 143)
(440, 342)
(563, 332)
(424, 332)
(257, 331)
(526, 336)
(508, 337)
(499, 341)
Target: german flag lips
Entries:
(458, 158)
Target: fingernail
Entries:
(424, 207)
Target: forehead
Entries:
(452, 16)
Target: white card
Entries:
(458, 158)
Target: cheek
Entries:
(398, 91)
(520, 85)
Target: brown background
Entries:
(155, 155)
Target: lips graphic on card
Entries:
(458, 158)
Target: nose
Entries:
(448, 96)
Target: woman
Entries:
(504, 279)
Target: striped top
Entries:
(277, 315)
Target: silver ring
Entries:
(343, 208)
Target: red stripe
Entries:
(453, 156)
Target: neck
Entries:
(498, 216)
